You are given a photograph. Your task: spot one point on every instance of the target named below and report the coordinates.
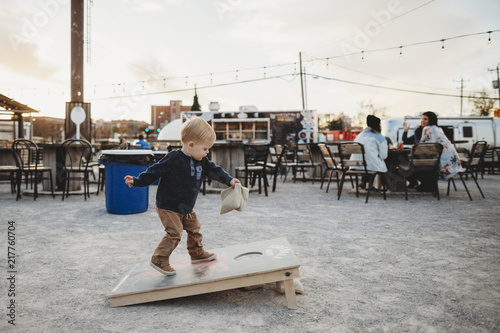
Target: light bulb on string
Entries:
(400, 52)
(211, 78)
(236, 75)
(362, 56)
(142, 85)
(294, 68)
(489, 37)
(442, 46)
(327, 63)
(264, 72)
(164, 85)
(186, 81)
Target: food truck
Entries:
(274, 127)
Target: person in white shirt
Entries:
(375, 146)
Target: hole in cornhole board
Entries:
(248, 256)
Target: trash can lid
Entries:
(127, 152)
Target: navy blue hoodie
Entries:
(180, 180)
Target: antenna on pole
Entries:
(90, 3)
(461, 95)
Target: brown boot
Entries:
(162, 265)
(204, 256)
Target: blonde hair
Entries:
(196, 129)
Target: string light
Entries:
(115, 85)
(164, 84)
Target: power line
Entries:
(197, 87)
(378, 25)
(394, 89)
(362, 52)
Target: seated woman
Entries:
(450, 163)
(375, 146)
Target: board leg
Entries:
(291, 299)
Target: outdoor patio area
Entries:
(420, 265)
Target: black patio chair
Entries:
(29, 162)
(255, 156)
(330, 163)
(77, 157)
(424, 157)
(357, 168)
(472, 167)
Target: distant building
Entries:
(119, 129)
(163, 114)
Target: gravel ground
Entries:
(387, 266)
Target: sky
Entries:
(242, 52)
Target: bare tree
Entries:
(367, 107)
(483, 105)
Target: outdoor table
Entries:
(395, 158)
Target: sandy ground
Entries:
(387, 266)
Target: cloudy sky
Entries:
(242, 52)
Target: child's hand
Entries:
(234, 181)
(129, 180)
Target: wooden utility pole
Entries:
(77, 26)
(302, 82)
(78, 121)
(497, 83)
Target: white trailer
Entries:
(463, 131)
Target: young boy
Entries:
(180, 173)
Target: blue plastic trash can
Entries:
(120, 199)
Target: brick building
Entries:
(163, 114)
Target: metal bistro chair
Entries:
(255, 165)
(28, 161)
(472, 166)
(303, 160)
(77, 156)
(277, 155)
(424, 157)
(11, 171)
(357, 168)
(330, 164)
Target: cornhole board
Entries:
(235, 267)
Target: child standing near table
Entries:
(181, 173)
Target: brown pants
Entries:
(174, 223)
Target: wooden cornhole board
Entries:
(235, 267)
